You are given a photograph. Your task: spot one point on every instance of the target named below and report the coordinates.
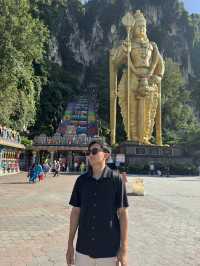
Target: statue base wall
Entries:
(144, 154)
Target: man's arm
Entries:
(123, 252)
(74, 220)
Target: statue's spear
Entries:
(128, 21)
(113, 89)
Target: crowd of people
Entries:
(38, 172)
(159, 170)
(9, 134)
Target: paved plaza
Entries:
(164, 227)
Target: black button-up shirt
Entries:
(99, 228)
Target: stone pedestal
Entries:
(136, 154)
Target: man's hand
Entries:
(70, 255)
(122, 257)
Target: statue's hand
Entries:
(125, 46)
(154, 79)
(115, 93)
(142, 91)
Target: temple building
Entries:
(10, 150)
(76, 130)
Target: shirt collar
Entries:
(105, 174)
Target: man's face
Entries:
(97, 156)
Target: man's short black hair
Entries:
(103, 146)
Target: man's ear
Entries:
(107, 155)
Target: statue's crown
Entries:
(138, 16)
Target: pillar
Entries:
(51, 157)
(34, 156)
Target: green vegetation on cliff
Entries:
(22, 39)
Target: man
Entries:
(100, 213)
(57, 168)
(152, 169)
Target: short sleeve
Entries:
(121, 195)
(75, 199)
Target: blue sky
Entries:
(192, 6)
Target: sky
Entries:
(192, 6)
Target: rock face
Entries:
(85, 32)
(84, 50)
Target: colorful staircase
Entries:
(80, 117)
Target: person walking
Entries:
(39, 171)
(46, 168)
(99, 212)
(56, 169)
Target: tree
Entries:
(178, 118)
(63, 77)
(22, 40)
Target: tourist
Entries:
(167, 170)
(32, 176)
(99, 212)
(151, 169)
(53, 166)
(82, 167)
(63, 167)
(159, 173)
(39, 171)
(66, 167)
(46, 168)
(75, 166)
(56, 169)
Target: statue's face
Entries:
(140, 29)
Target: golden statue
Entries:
(139, 89)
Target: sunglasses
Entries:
(94, 151)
